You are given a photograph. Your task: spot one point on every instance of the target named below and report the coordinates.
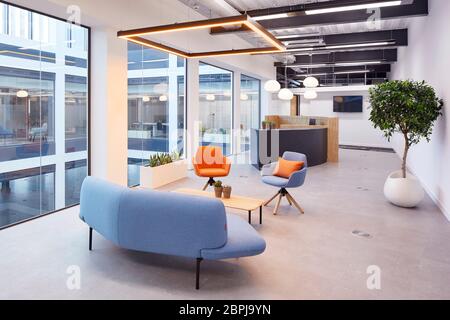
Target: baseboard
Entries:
(365, 145)
(366, 148)
(427, 189)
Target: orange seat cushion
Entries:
(285, 168)
(212, 172)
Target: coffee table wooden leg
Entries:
(249, 217)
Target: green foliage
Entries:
(218, 184)
(407, 107)
(161, 159)
(175, 155)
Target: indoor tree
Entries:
(406, 107)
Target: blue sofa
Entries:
(166, 223)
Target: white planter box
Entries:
(157, 177)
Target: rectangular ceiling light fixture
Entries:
(242, 21)
(271, 16)
(362, 6)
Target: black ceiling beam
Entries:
(375, 68)
(400, 37)
(299, 9)
(389, 55)
(416, 8)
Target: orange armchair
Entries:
(209, 162)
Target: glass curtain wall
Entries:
(216, 107)
(156, 106)
(250, 109)
(43, 113)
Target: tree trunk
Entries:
(405, 155)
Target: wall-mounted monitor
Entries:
(348, 104)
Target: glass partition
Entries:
(156, 106)
(216, 107)
(43, 113)
(250, 109)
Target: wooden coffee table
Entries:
(235, 202)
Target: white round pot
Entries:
(406, 193)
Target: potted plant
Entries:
(163, 168)
(218, 189)
(409, 108)
(227, 192)
(267, 125)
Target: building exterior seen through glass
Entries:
(43, 113)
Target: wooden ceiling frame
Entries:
(241, 21)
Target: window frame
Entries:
(259, 94)
(89, 118)
(233, 79)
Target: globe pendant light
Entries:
(311, 82)
(310, 94)
(272, 86)
(285, 94)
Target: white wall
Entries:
(427, 58)
(277, 106)
(355, 129)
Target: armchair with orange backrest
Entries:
(209, 162)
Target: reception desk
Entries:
(268, 145)
(316, 137)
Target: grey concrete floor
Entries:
(314, 256)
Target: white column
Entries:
(109, 106)
(173, 103)
(236, 112)
(192, 100)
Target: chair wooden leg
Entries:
(296, 204)
(271, 199)
(289, 200)
(275, 211)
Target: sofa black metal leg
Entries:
(197, 279)
(90, 239)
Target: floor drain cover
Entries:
(361, 234)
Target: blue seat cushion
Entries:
(275, 181)
(243, 241)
